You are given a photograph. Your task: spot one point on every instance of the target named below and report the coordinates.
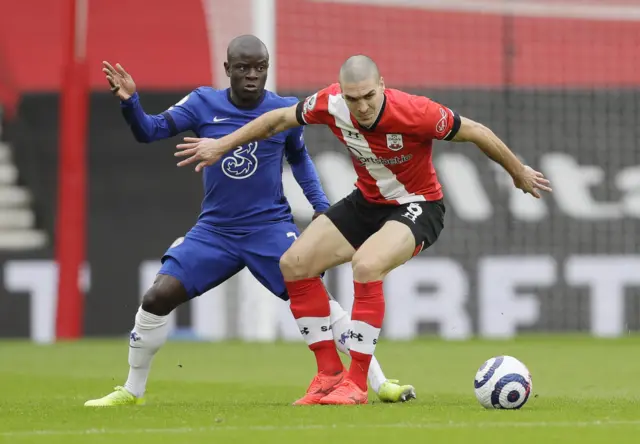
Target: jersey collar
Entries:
(257, 104)
(375, 123)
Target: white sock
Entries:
(341, 328)
(376, 376)
(148, 335)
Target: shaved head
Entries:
(247, 45)
(359, 68)
(247, 67)
(362, 88)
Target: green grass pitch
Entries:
(584, 391)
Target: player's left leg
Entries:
(404, 234)
(262, 251)
(190, 267)
(388, 390)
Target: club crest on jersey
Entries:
(394, 142)
(241, 162)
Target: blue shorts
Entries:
(204, 259)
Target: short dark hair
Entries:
(245, 42)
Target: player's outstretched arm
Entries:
(208, 151)
(524, 177)
(146, 128)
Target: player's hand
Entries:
(204, 151)
(530, 181)
(122, 85)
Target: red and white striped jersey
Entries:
(393, 157)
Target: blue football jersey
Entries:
(244, 189)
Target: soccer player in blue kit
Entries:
(245, 220)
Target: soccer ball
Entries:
(503, 382)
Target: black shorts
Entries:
(357, 219)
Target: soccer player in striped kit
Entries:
(396, 211)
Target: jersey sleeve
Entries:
(436, 120)
(183, 115)
(148, 128)
(314, 110)
(294, 143)
(304, 170)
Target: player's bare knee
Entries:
(164, 296)
(158, 302)
(293, 266)
(367, 268)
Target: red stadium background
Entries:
(414, 47)
(558, 81)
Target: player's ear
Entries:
(227, 69)
(381, 82)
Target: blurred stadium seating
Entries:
(17, 216)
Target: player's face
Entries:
(364, 99)
(248, 75)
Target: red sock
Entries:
(310, 308)
(367, 317)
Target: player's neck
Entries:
(244, 104)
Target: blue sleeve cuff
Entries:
(131, 101)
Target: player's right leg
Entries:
(191, 266)
(388, 390)
(320, 247)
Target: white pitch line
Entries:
(266, 428)
(603, 11)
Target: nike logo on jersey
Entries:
(216, 119)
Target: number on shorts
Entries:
(292, 234)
